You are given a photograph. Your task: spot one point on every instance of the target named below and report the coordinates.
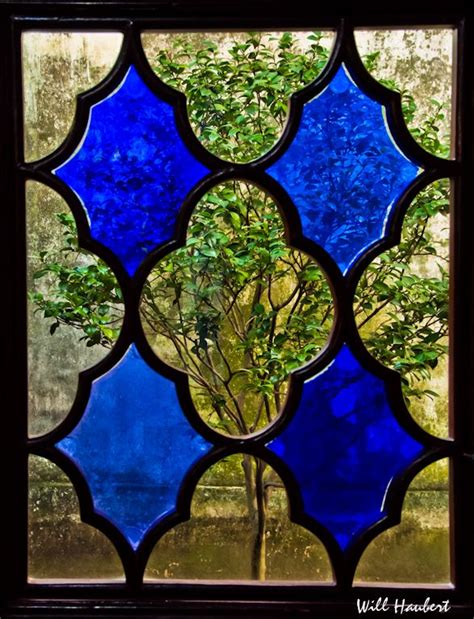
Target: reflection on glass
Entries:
(60, 545)
(228, 537)
(401, 307)
(343, 171)
(55, 311)
(132, 171)
(417, 550)
(344, 447)
(237, 308)
(57, 66)
(134, 446)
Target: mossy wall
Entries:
(58, 66)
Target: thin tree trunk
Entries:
(257, 509)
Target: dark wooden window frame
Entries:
(21, 599)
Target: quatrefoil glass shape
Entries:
(343, 170)
(237, 309)
(134, 446)
(344, 446)
(132, 171)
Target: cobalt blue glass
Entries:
(343, 171)
(134, 446)
(132, 171)
(344, 447)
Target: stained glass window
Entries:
(218, 247)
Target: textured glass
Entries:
(132, 171)
(134, 446)
(345, 174)
(344, 446)
(343, 171)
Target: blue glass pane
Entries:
(134, 446)
(344, 446)
(343, 171)
(132, 171)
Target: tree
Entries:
(237, 308)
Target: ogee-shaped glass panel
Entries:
(343, 171)
(418, 62)
(60, 546)
(419, 546)
(63, 281)
(56, 67)
(134, 446)
(344, 447)
(132, 171)
(237, 84)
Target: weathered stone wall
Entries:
(58, 66)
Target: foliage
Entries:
(237, 103)
(237, 308)
(240, 307)
(401, 310)
(401, 304)
(80, 291)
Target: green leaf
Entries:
(209, 252)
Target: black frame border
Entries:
(190, 599)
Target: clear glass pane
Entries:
(67, 287)
(238, 84)
(223, 541)
(418, 63)
(56, 67)
(417, 550)
(401, 307)
(60, 545)
(237, 309)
